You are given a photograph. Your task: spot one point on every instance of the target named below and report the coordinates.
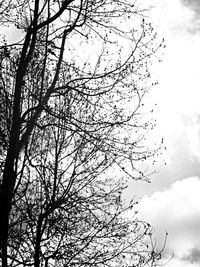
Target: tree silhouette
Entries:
(73, 124)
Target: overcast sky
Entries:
(172, 201)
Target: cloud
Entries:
(193, 255)
(193, 4)
(178, 91)
(177, 211)
(173, 15)
(176, 208)
(175, 262)
(177, 96)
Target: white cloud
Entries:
(177, 95)
(175, 16)
(178, 75)
(180, 263)
(178, 91)
(177, 211)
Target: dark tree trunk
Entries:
(37, 243)
(6, 193)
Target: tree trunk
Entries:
(6, 193)
(37, 242)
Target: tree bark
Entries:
(37, 242)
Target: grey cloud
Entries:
(183, 163)
(193, 256)
(193, 4)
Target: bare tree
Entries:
(70, 115)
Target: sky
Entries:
(171, 202)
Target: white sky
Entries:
(171, 201)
